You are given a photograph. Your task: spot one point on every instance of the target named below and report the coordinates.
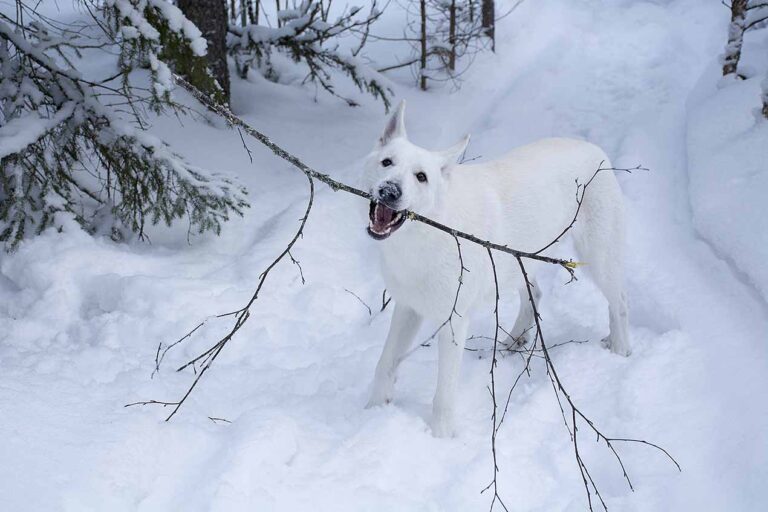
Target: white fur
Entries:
(524, 200)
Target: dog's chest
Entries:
(422, 270)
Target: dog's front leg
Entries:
(450, 351)
(405, 324)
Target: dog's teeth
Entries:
(385, 230)
(395, 220)
(373, 228)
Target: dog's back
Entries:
(528, 196)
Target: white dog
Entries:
(523, 200)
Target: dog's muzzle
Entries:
(383, 220)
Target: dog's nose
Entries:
(389, 192)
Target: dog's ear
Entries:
(396, 125)
(452, 154)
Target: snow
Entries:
(727, 158)
(162, 76)
(134, 12)
(177, 22)
(20, 132)
(81, 317)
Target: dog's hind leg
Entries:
(523, 330)
(402, 330)
(599, 238)
(451, 342)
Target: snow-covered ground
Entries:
(81, 318)
(728, 158)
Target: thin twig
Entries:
(576, 413)
(241, 315)
(581, 190)
(385, 300)
(494, 431)
(366, 306)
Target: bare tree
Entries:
(232, 11)
(757, 15)
(456, 36)
(423, 43)
(735, 36)
(311, 41)
(452, 35)
(489, 21)
(210, 16)
(445, 36)
(246, 11)
(765, 97)
(746, 15)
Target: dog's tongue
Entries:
(382, 216)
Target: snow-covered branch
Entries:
(64, 151)
(307, 37)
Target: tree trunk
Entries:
(489, 21)
(423, 67)
(325, 9)
(735, 36)
(765, 97)
(210, 16)
(245, 9)
(277, 13)
(452, 36)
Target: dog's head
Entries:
(402, 176)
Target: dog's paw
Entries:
(377, 402)
(442, 428)
(382, 391)
(379, 398)
(622, 349)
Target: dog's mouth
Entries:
(383, 220)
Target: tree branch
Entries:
(335, 185)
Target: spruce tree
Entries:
(76, 146)
(210, 16)
(310, 39)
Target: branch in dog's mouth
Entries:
(383, 220)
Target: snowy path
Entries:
(80, 318)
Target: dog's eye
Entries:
(421, 177)
(386, 162)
